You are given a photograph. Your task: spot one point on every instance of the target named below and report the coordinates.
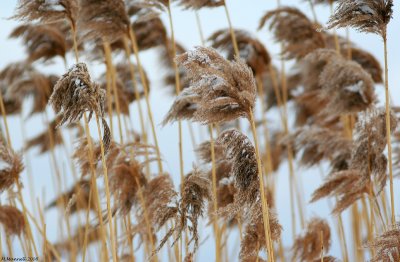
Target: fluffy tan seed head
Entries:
(12, 219)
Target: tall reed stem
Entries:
(264, 201)
(388, 132)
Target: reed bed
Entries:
(149, 150)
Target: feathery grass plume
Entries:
(32, 83)
(253, 240)
(307, 247)
(368, 62)
(82, 150)
(75, 199)
(326, 2)
(124, 75)
(294, 30)
(127, 176)
(222, 90)
(41, 41)
(250, 49)
(199, 4)
(147, 25)
(367, 163)
(77, 241)
(319, 143)
(74, 94)
(12, 219)
(278, 151)
(342, 84)
(160, 201)
(11, 167)
(47, 11)
(102, 20)
(196, 190)
(387, 245)
(47, 140)
(370, 16)
(396, 151)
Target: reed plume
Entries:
(13, 220)
(387, 245)
(74, 94)
(199, 4)
(307, 247)
(251, 50)
(11, 170)
(327, 259)
(47, 140)
(367, 159)
(75, 199)
(298, 35)
(221, 90)
(43, 42)
(367, 16)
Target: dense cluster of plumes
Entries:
(367, 165)
(331, 88)
(219, 90)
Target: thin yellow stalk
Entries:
(388, 131)
(3, 113)
(91, 192)
(313, 11)
(232, 32)
(111, 69)
(322, 245)
(264, 201)
(215, 203)
(106, 185)
(146, 94)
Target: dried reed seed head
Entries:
(124, 75)
(11, 167)
(387, 245)
(327, 259)
(241, 152)
(75, 199)
(77, 240)
(369, 16)
(42, 42)
(47, 11)
(184, 107)
(294, 30)
(148, 28)
(12, 219)
(127, 176)
(251, 50)
(307, 247)
(160, 201)
(104, 20)
(319, 143)
(199, 4)
(75, 93)
(326, 2)
(47, 140)
(367, 61)
(226, 89)
(253, 240)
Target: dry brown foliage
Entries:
(367, 163)
(149, 29)
(251, 50)
(41, 41)
(76, 199)
(77, 240)
(319, 143)
(199, 4)
(370, 16)
(387, 245)
(11, 168)
(47, 140)
(294, 30)
(12, 219)
(104, 20)
(47, 11)
(75, 94)
(327, 259)
(307, 247)
(334, 84)
(220, 90)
